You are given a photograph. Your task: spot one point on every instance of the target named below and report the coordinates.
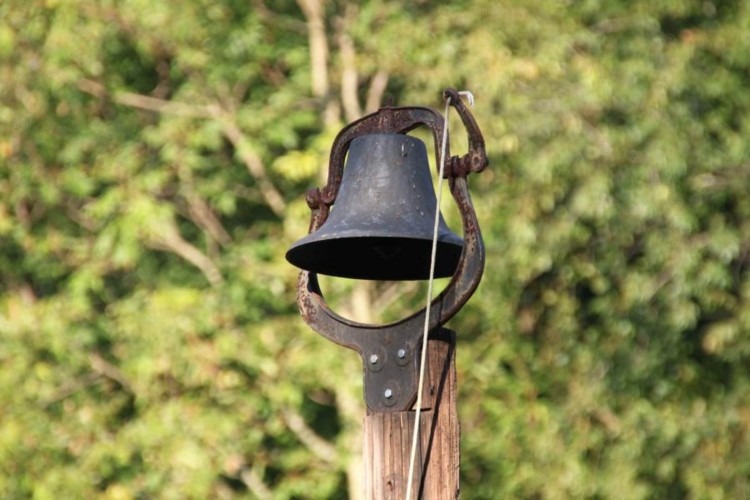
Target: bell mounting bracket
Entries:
(391, 353)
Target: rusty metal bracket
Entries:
(476, 159)
(390, 353)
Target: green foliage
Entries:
(153, 164)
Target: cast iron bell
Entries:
(381, 224)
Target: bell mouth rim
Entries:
(389, 260)
(444, 236)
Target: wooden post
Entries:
(388, 436)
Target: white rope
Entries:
(420, 384)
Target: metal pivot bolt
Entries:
(374, 359)
(388, 394)
(401, 353)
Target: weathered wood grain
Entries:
(388, 435)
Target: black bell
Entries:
(381, 224)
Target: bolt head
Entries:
(374, 359)
(388, 394)
(401, 353)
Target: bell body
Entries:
(382, 221)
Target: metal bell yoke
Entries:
(382, 202)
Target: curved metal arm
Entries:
(476, 159)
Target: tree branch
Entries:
(392, 292)
(145, 102)
(317, 39)
(349, 78)
(252, 161)
(313, 11)
(103, 367)
(319, 446)
(231, 130)
(171, 240)
(161, 105)
(203, 215)
(350, 409)
(253, 481)
(71, 388)
(375, 92)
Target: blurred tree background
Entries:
(153, 162)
